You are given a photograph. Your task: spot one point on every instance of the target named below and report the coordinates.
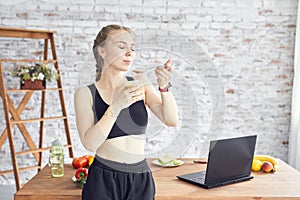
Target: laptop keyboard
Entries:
(198, 177)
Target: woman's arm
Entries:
(163, 106)
(92, 135)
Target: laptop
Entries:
(229, 161)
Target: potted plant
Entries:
(35, 76)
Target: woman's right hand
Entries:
(125, 95)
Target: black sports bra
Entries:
(131, 121)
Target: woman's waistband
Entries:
(139, 167)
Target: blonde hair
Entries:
(100, 41)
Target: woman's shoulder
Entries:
(83, 96)
(83, 91)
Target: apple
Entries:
(267, 166)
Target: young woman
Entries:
(111, 119)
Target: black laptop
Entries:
(229, 161)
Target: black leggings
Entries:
(109, 180)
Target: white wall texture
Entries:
(233, 63)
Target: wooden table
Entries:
(284, 184)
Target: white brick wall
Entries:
(248, 43)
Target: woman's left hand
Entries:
(164, 74)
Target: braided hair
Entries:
(100, 42)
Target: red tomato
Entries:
(89, 158)
(79, 162)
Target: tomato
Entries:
(89, 158)
(79, 162)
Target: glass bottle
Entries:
(56, 159)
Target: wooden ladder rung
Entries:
(24, 90)
(20, 169)
(28, 60)
(37, 119)
(39, 150)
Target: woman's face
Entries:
(119, 50)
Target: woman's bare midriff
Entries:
(125, 149)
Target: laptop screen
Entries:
(230, 158)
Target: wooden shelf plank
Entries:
(26, 30)
(20, 169)
(37, 119)
(39, 150)
(23, 90)
(25, 33)
(28, 60)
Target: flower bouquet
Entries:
(35, 76)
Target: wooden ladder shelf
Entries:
(12, 114)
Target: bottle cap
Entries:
(56, 142)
